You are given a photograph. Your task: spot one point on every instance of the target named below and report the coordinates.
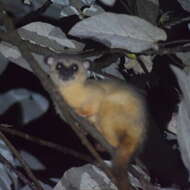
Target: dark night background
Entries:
(164, 163)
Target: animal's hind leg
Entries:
(126, 149)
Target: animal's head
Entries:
(66, 69)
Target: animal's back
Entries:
(117, 110)
(122, 118)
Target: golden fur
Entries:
(116, 109)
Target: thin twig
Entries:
(167, 51)
(22, 161)
(6, 128)
(176, 22)
(175, 42)
(18, 173)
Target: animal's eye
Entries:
(74, 67)
(59, 66)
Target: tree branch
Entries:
(66, 113)
(22, 161)
(19, 174)
(9, 129)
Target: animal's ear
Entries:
(86, 64)
(49, 60)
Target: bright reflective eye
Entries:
(59, 65)
(74, 67)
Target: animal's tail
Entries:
(127, 148)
